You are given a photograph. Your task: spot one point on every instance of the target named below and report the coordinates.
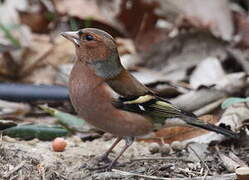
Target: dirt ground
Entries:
(35, 160)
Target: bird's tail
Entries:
(198, 123)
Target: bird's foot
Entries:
(103, 159)
(97, 161)
(101, 165)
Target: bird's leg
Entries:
(104, 157)
(128, 141)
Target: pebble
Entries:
(165, 149)
(154, 148)
(9, 139)
(177, 146)
(33, 141)
(76, 139)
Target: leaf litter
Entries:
(181, 53)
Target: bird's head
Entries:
(97, 49)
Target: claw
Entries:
(97, 165)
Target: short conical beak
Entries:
(72, 36)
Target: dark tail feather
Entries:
(211, 127)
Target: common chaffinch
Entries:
(97, 73)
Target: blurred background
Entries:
(194, 53)
(184, 51)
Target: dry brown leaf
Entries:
(63, 52)
(37, 15)
(235, 116)
(242, 28)
(213, 15)
(8, 10)
(207, 73)
(175, 56)
(44, 75)
(179, 133)
(148, 76)
(233, 83)
(143, 27)
(137, 19)
(172, 134)
(38, 22)
(125, 46)
(79, 8)
(12, 108)
(60, 52)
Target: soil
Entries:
(35, 160)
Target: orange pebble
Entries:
(59, 144)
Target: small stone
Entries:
(9, 139)
(191, 166)
(76, 139)
(33, 141)
(140, 170)
(177, 146)
(165, 149)
(154, 148)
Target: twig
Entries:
(197, 155)
(1, 136)
(205, 175)
(28, 70)
(57, 69)
(229, 163)
(187, 171)
(141, 27)
(219, 177)
(13, 177)
(20, 175)
(208, 108)
(139, 175)
(18, 167)
(161, 158)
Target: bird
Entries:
(111, 99)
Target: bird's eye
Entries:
(89, 37)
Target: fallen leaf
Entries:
(213, 15)
(12, 108)
(235, 116)
(199, 152)
(207, 73)
(42, 132)
(242, 28)
(232, 100)
(4, 124)
(83, 9)
(171, 134)
(71, 122)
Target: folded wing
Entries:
(160, 110)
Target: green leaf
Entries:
(229, 101)
(42, 132)
(9, 36)
(71, 122)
